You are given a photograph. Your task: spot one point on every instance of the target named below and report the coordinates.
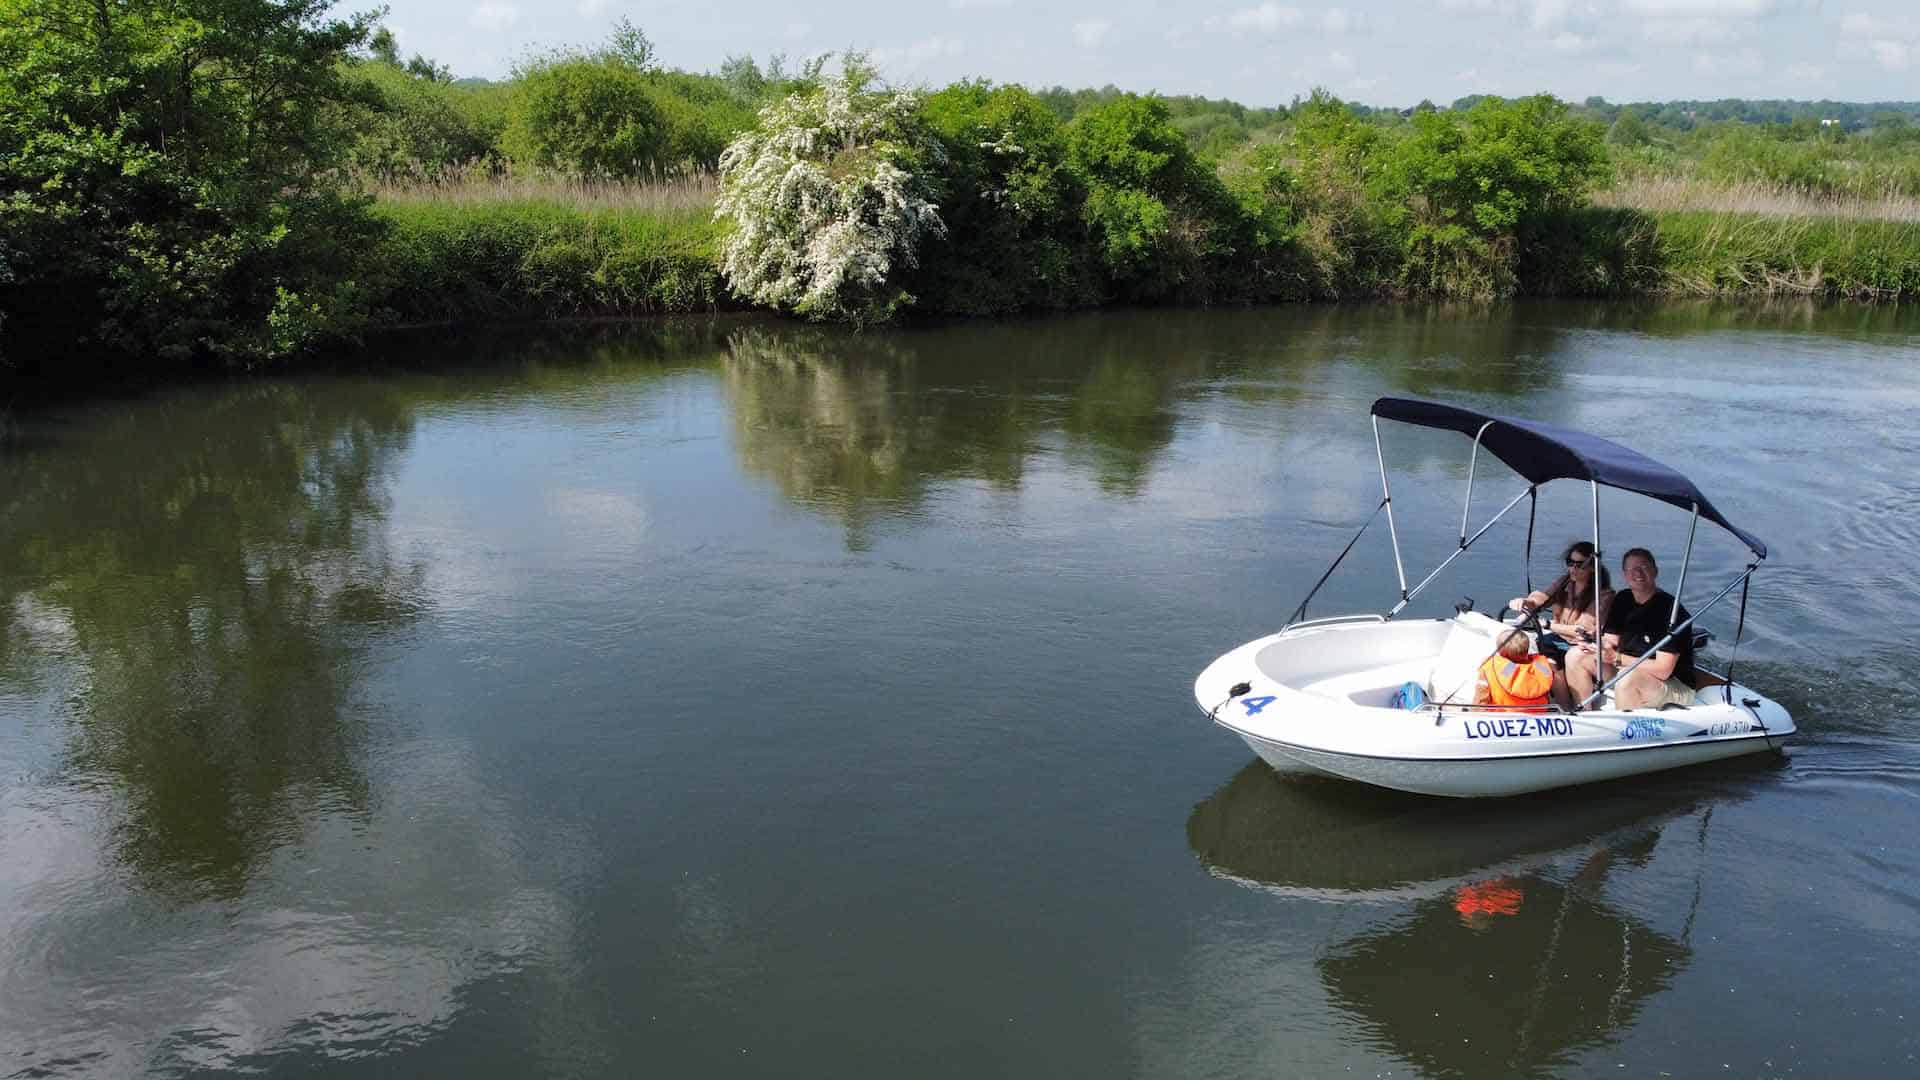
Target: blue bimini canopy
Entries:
(1542, 452)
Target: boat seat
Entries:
(1374, 686)
(1470, 640)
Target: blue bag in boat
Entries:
(1411, 695)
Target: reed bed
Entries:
(684, 195)
(1674, 194)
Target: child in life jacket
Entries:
(1515, 676)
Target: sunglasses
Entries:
(1578, 563)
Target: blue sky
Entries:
(1259, 52)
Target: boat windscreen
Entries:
(1542, 452)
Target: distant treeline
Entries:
(221, 183)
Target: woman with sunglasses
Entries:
(1570, 598)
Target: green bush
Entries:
(423, 128)
(165, 181)
(1468, 191)
(1014, 238)
(442, 263)
(591, 116)
(1323, 171)
(610, 113)
(1164, 222)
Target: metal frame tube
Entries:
(1671, 634)
(1473, 460)
(1464, 545)
(1685, 561)
(1526, 558)
(1599, 557)
(1386, 495)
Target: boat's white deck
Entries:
(1447, 674)
(1367, 664)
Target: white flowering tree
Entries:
(827, 197)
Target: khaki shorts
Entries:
(1676, 691)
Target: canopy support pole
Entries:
(1598, 568)
(1533, 508)
(1685, 561)
(1457, 552)
(1473, 460)
(1671, 634)
(1739, 629)
(1386, 499)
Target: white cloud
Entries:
(1091, 32)
(591, 8)
(1739, 9)
(495, 16)
(1571, 43)
(1893, 55)
(1340, 21)
(1689, 31)
(1481, 7)
(1806, 73)
(1860, 24)
(1549, 13)
(1266, 19)
(918, 53)
(1892, 45)
(962, 5)
(1744, 62)
(1339, 61)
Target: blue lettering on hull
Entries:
(1517, 727)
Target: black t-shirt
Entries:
(1641, 626)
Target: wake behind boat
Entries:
(1327, 693)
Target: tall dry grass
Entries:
(688, 194)
(1673, 194)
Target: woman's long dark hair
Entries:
(1583, 600)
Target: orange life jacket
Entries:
(1525, 684)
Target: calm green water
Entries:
(734, 699)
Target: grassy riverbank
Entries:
(513, 249)
(466, 257)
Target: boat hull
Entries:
(1317, 699)
(1496, 777)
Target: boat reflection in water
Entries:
(1488, 941)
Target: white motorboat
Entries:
(1325, 694)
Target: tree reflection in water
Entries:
(208, 590)
(863, 426)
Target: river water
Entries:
(735, 698)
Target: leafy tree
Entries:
(1470, 187)
(164, 179)
(1012, 209)
(424, 128)
(611, 113)
(630, 46)
(592, 116)
(1162, 216)
(1628, 130)
(743, 78)
(1327, 165)
(384, 47)
(829, 198)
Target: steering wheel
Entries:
(1538, 620)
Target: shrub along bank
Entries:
(524, 260)
(180, 188)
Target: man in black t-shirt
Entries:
(1638, 618)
